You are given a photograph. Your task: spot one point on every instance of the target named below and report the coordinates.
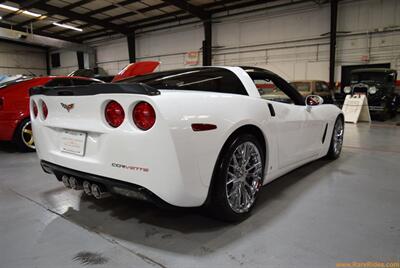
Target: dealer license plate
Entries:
(73, 142)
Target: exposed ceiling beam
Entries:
(191, 9)
(21, 29)
(23, 5)
(71, 6)
(91, 13)
(214, 7)
(142, 10)
(170, 17)
(76, 16)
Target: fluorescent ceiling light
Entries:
(14, 9)
(67, 26)
(9, 7)
(33, 14)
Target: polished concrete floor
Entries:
(318, 215)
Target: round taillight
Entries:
(114, 114)
(144, 115)
(45, 111)
(34, 109)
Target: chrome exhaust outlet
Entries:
(99, 192)
(75, 183)
(65, 180)
(87, 187)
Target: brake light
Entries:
(45, 111)
(34, 109)
(114, 114)
(144, 115)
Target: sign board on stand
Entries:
(355, 109)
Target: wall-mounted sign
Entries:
(192, 58)
(365, 58)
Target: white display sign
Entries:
(73, 142)
(355, 109)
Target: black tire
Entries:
(19, 136)
(219, 205)
(333, 153)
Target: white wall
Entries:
(68, 62)
(291, 41)
(21, 59)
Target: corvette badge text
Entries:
(133, 168)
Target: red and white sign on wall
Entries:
(365, 58)
(192, 58)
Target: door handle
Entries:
(271, 109)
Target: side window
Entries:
(321, 87)
(302, 86)
(82, 82)
(269, 91)
(59, 82)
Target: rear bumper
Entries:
(113, 186)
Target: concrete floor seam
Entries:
(113, 241)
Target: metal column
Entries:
(131, 47)
(207, 44)
(332, 55)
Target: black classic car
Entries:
(379, 86)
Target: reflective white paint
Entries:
(181, 161)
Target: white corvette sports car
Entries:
(187, 138)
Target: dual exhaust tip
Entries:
(97, 190)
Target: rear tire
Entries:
(335, 148)
(238, 178)
(23, 136)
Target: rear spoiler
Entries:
(135, 69)
(95, 89)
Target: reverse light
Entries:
(34, 109)
(144, 115)
(114, 114)
(45, 111)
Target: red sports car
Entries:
(15, 123)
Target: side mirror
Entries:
(313, 100)
(347, 90)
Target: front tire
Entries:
(336, 145)
(238, 178)
(23, 136)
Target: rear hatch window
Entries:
(198, 79)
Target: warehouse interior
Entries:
(338, 213)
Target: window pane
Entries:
(301, 86)
(198, 79)
(82, 82)
(59, 82)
